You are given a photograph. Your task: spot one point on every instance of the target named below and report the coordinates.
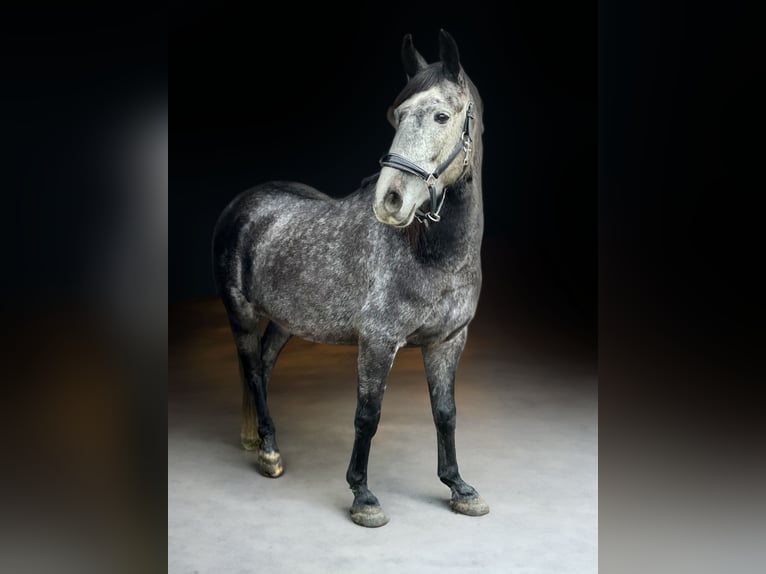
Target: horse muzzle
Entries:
(395, 218)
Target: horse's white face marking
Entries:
(424, 136)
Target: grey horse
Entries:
(394, 264)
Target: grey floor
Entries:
(526, 439)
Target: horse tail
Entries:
(228, 272)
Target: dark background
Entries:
(256, 96)
(681, 290)
(302, 95)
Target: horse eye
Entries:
(441, 117)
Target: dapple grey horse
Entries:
(394, 264)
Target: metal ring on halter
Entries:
(434, 216)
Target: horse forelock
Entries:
(427, 78)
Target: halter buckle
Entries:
(467, 148)
(435, 217)
(431, 180)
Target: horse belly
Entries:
(315, 323)
(310, 299)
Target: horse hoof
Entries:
(369, 516)
(470, 506)
(270, 464)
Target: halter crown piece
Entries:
(401, 163)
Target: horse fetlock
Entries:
(450, 476)
(363, 497)
(461, 489)
(269, 442)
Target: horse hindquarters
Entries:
(227, 248)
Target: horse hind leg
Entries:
(271, 344)
(257, 356)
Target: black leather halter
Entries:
(401, 163)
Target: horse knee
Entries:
(367, 424)
(445, 418)
(367, 418)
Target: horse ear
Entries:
(411, 59)
(449, 55)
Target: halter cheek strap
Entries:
(401, 163)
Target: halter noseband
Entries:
(401, 163)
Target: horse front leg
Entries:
(441, 364)
(375, 360)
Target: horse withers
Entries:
(394, 264)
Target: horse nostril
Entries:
(393, 201)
